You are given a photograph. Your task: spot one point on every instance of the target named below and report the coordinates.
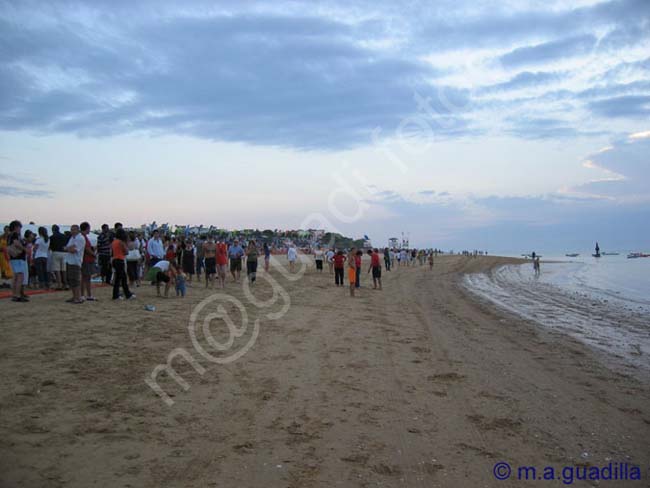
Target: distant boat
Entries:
(572, 255)
(634, 255)
(610, 254)
(597, 255)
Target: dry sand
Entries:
(418, 385)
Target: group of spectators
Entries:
(63, 261)
(70, 260)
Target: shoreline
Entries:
(421, 384)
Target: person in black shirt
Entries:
(58, 241)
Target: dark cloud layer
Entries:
(243, 73)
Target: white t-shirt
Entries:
(292, 254)
(318, 255)
(162, 266)
(75, 258)
(42, 248)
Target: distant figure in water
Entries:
(536, 266)
(533, 255)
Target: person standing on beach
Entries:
(235, 253)
(251, 261)
(318, 259)
(387, 259)
(358, 257)
(292, 255)
(339, 268)
(352, 269)
(210, 258)
(87, 264)
(222, 262)
(430, 261)
(267, 257)
(375, 267)
(18, 261)
(74, 260)
(188, 259)
(200, 263)
(104, 240)
(155, 248)
(536, 266)
(58, 241)
(330, 259)
(120, 250)
(41, 254)
(5, 266)
(133, 259)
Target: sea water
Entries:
(604, 302)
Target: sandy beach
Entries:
(421, 384)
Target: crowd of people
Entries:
(125, 259)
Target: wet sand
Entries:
(421, 384)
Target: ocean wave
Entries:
(565, 299)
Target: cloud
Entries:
(627, 164)
(284, 74)
(548, 51)
(524, 79)
(12, 191)
(636, 106)
(542, 128)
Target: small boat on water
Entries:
(572, 255)
(610, 254)
(597, 255)
(634, 255)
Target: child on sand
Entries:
(181, 287)
(430, 261)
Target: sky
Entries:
(497, 125)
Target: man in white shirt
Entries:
(155, 248)
(73, 259)
(330, 260)
(292, 255)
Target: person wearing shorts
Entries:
(58, 242)
(73, 260)
(17, 261)
(352, 269)
(235, 254)
(375, 267)
(222, 262)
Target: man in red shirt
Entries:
(375, 267)
(339, 268)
